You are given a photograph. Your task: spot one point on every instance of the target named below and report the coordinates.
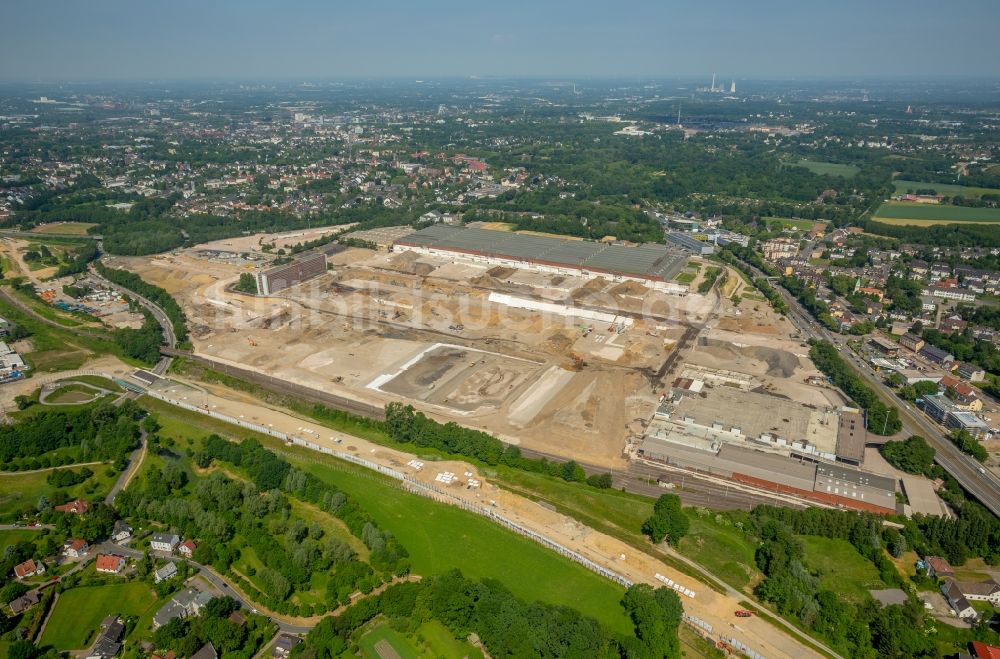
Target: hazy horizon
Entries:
(114, 40)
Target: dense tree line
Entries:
(912, 455)
(880, 419)
(506, 626)
(186, 635)
(154, 294)
(973, 234)
(100, 432)
(865, 631)
(966, 348)
(143, 343)
(405, 425)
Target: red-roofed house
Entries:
(75, 548)
(938, 567)
(77, 507)
(187, 548)
(29, 568)
(983, 651)
(110, 563)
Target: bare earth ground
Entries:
(374, 328)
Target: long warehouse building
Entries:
(287, 275)
(651, 264)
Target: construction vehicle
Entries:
(251, 341)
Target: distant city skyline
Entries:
(117, 40)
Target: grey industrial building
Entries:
(826, 483)
(690, 243)
(647, 262)
(284, 276)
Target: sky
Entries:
(99, 40)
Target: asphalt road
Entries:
(134, 462)
(169, 338)
(984, 487)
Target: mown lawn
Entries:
(79, 612)
(385, 634)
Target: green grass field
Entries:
(685, 277)
(66, 228)
(19, 490)
(947, 189)
(79, 611)
(791, 222)
(11, 538)
(842, 569)
(723, 549)
(900, 212)
(829, 168)
(385, 635)
(440, 537)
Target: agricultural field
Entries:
(947, 189)
(841, 568)
(79, 611)
(66, 228)
(903, 213)
(829, 168)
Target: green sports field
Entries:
(900, 212)
(79, 611)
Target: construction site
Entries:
(603, 369)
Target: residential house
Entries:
(982, 651)
(109, 642)
(961, 394)
(21, 604)
(207, 651)
(164, 542)
(284, 645)
(110, 563)
(957, 601)
(981, 591)
(121, 532)
(76, 507)
(75, 548)
(166, 572)
(188, 602)
(186, 548)
(29, 568)
(911, 341)
(970, 372)
(938, 567)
